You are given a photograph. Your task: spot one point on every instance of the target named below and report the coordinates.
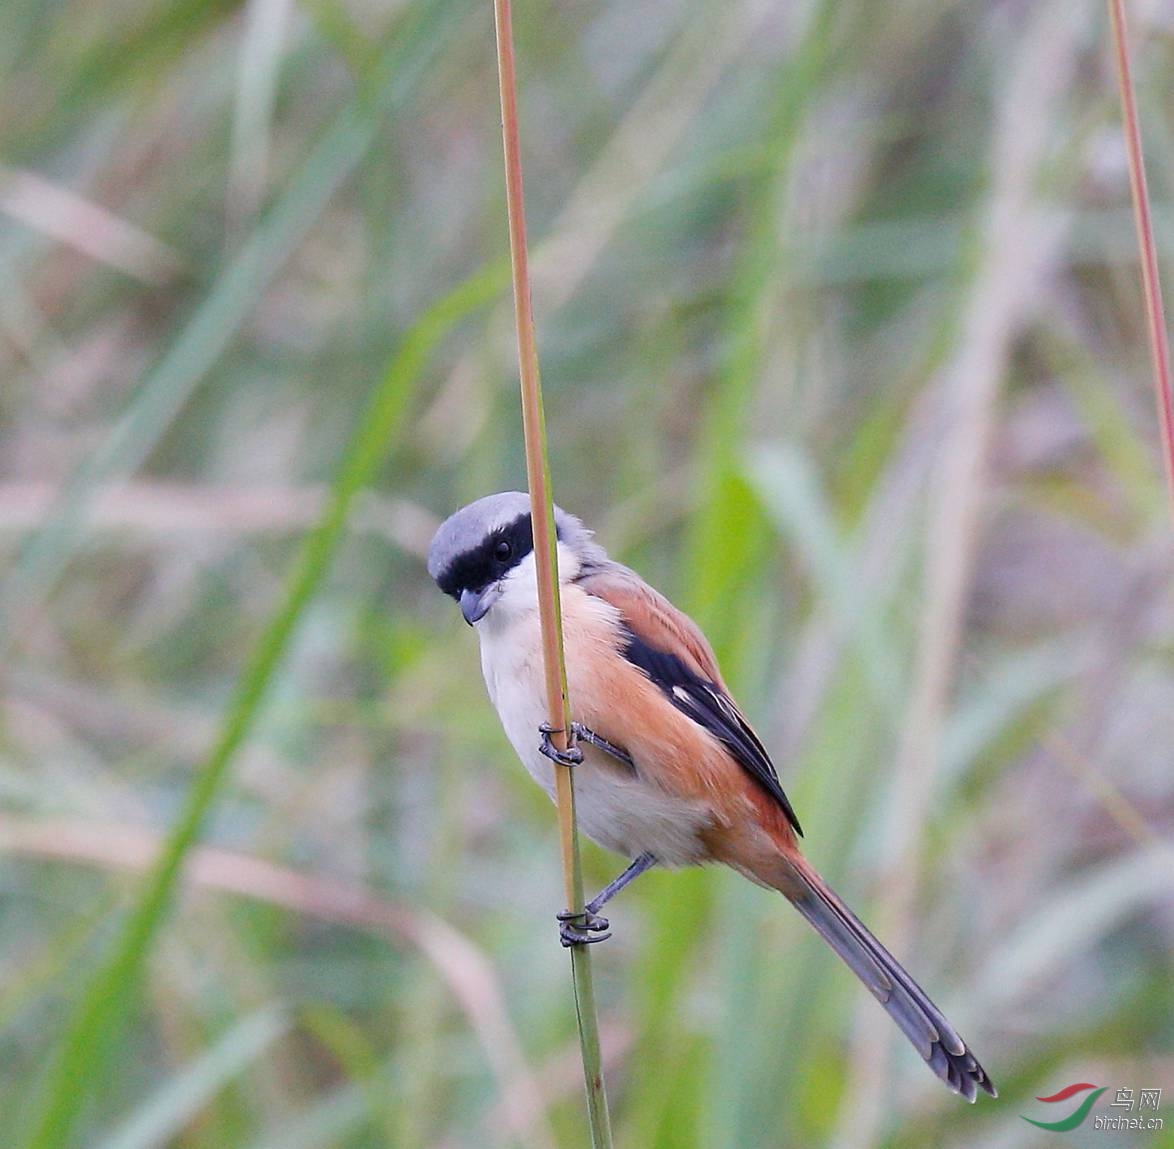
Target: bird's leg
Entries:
(643, 862)
(585, 734)
(577, 928)
(572, 756)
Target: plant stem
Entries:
(1150, 280)
(545, 551)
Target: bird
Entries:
(668, 771)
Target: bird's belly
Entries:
(614, 805)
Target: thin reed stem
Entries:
(1150, 281)
(542, 515)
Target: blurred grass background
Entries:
(843, 348)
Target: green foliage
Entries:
(271, 876)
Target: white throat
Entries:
(518, 601)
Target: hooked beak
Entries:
(476, 603)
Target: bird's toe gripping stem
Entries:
(582, 928)
(571, 756)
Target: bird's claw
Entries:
(571, 756)
(582, 928)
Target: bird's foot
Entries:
(582, 928)
(571, 756)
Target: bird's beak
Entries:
(475, 603)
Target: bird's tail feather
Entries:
(905, 1001)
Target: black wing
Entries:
(709, 706)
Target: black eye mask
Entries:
(494, 557)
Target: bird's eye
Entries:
(502, 551)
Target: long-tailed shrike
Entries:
(670, 772)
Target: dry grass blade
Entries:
(461, 964)
(1017, 249)
(559, 1078)
(161, 511)
(756, 231)
(107, 1002)
(167, 387)
(91, 229)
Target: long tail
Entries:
(905, 1001)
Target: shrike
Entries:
(669, 771)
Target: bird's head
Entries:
(483, 556)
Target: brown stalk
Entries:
(546, 563)
(1150, 280)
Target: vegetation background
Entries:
(843, 348)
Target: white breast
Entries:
(617, 809)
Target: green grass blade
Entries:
(216, 321)
(730, 543)
(166, 1114)
(328, 1120)
(787, 483)
(107, 1002)
(1079, 913)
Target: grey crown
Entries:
(467, 528)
